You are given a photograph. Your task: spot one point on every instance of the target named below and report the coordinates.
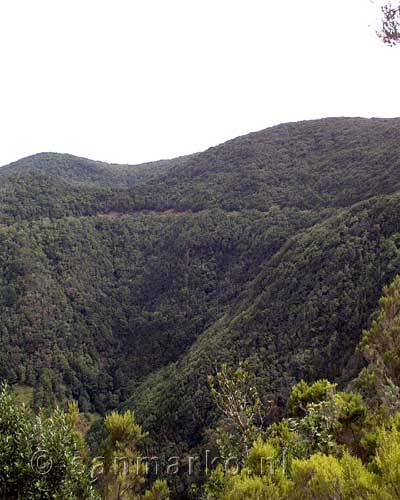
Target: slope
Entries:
(301, 317)
(112, 273)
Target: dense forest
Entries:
(126, 287)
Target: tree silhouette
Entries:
(390, 31)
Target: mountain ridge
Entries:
(127, 285)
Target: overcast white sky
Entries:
(130, 81)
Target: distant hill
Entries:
(129, 284)
(82, 170)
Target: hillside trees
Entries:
(127, 287)
(332, 444)
(380, 345)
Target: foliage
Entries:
(390, 30)
(312, 454)
(127, 284)
(381, 348)
(241, 407)
(303, 394)
(45, 457)
(40, 456)
(159, 491)
(326, 477)
(123, 474)
(387, 460)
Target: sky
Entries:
(130, 81)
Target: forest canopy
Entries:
(259, 261)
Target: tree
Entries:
(380, 345)
(390, 30)
(262, 478)
(387, 459)
(123, 468)
(302, 394)
(122, 475)
(159, 491)
(323, 477)
(41, 457)
(241, 406)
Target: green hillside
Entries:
(74, 290)
(300, 318)
(129, 285)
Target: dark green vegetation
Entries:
(129, 285)
(339, 445)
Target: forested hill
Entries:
(307, 165)
(128, 284)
